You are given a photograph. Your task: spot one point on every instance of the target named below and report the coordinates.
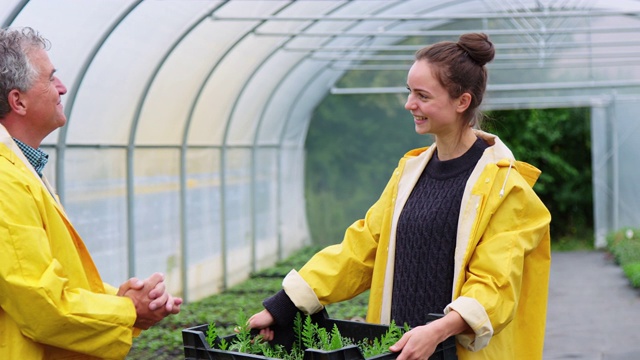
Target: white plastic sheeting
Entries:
(184, 148)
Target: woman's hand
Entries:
(421, 341)
(417, 344)
(262, 321)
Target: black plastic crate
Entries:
(196, 346)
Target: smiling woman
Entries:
(458, 229)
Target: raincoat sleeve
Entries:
(342, 271)
(494, 274)
(36, 291)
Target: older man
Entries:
(53, 303)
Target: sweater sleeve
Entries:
(281, 308)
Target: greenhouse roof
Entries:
(217, 73)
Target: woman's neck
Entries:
(456, 145)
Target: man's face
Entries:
(44, 107)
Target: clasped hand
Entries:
(151, 300)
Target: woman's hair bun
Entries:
(478, 46)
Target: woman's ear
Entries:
(463, 103)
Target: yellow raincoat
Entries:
(53, 303)
(502, 257)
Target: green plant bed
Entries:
(317, 337)
(624, 246)
(632, 271)
(164, 340)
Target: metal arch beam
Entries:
(281, 137)
(330, 64)
(404, 34)
(412, 17)
(289, 112)
(254, 147)
(493, 67)
(185, 136)
(72, 93)
(501, 87)
(499, 46)
(278, 145)
(502, 57)
(130, 166)
(225, 138)
(14, 13)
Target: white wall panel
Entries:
(96, 203)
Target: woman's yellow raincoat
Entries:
(53, 303)
(502, 257)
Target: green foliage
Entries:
(212, 334)
(355, 141)
(624, 246)
(632, 271)
(381, 345)
(164, 340)
(353, 145)
(336, 339)
(308, 335)
(223, 345)
(297, 331)
(583, 239)
(558, 142)
(243, 342)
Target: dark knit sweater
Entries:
(426, 238)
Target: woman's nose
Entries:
(409, 104)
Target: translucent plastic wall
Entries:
(184, 148)
(615, 165)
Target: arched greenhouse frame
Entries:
(184, 147)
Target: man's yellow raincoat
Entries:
(53, 303)
(502, 257)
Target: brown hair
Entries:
(460, 67)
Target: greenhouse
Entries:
(184, 147)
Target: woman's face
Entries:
(434, 111)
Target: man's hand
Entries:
(158, 295)
(151, 301)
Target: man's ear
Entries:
(16, 102)
(463, 102)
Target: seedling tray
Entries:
(196, 346)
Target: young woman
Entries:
(457, 230)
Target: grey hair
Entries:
(16, 69)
